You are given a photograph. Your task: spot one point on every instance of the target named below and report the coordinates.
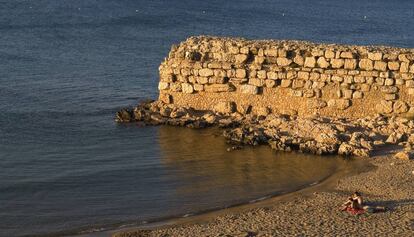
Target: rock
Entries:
(384, 107)
(310, 62)
(283, 62)
(187, 88)
(240, 73)
(285, 83)
(241, 58)
(394, 138)
(219, 88)
(366, 64)
(249, 89)
(337, 63)
(316, 104)
(400, 107)
(376, 56)
(166, 98)
(206, 72)
(124, 116)
(341, 104)
(163, 86)
(225, 107)
(345, 149)
(261, 111)
(404, 155)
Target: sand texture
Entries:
(390, 184)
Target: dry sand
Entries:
(316, 213)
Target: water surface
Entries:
(67, 66)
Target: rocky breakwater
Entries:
(291, 95)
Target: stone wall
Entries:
(292, 77)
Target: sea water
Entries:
(67, 66)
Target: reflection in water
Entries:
(211, 177)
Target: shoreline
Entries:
(328, 196)
(355, 167)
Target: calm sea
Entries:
(66, 66)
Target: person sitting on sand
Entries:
(355, 203)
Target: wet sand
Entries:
(314, 211)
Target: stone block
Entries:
(272, 75)
(409, 83)
(297, 93)
(299, 60)
(322, 63)
(272, 52)
(285, 83)
(205, 72)
(365, 87)
(259, 60)
(340, 104)
(256, 82)
(240, 73)
(390, 97)
(394, 66)
(404, 67)
(375, 56)
(217, 88)
(389, 82)
(202, 80)
(198, 87)
(249, 89)
(347, 55)
(163, 86)
(240, 58)
(310, 62)
(366, 64)
(350, 64)
(303, 75)
(220, 73)
(261, 74)
(214, 65)
(410, 91)
(316, 104)
(347, 94)
(283, 62)
(357, 95)
(297, 84)
(337, 63)
(329, 54)
(270, 83)
(187, 88)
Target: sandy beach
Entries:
(315, 212)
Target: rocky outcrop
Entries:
(315, 134)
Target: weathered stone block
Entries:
(310, 62)
(163, 86)
(272, 52)
(303, 75)
(340, 104)
(297, 84)
(270, 83)
(322, 63)
(249, 89)
(337, 63)
(202, 80)
(375, 56)
(365, 87)
(272, 75)
(350, 64)
(198, 87)
(347, 94)
(240, 73)
(347, 55)
(283, 62)
(298, 60)
(256, 82)
(366, 64)
(240, 58)
(206, 72)
(261, 74)
(409, 84)
(404, 67)
(394, 66)
(329, 54)
(357, 95)
(390, 97)
(389, 82)
(216, 88)
(187, 88)
(285, 83)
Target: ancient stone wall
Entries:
(292, 77)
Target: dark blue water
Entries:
(66, 66)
